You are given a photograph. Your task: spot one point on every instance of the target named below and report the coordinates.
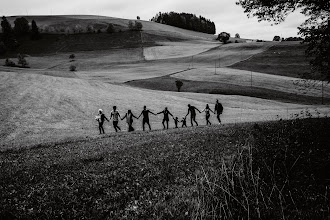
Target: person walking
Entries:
(100, 118)
(129, 120)
(207, 111)
(192, 111)
(184, 122)
(166, 118)
(145, 112)
(176, 120)
(115, 115)
(218, 109)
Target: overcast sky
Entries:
(225, 13)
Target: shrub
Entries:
(73, 68)
(138, 26)
(72, 56)
(110, 29)
(21, 60)
(9, 62)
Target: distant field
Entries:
(285, 59)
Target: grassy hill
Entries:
(267, 171)
(285, 59)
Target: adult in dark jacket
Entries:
(218, 109)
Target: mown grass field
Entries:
(273, 170)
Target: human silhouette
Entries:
(100, 118)
(166, 118)
(184, 122)
(129, 120)
(192, 111)
(145, 112)
(115, 115)
(176, 120)
(207, 111)
(218, 109)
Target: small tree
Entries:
(8, 34)
(22, 61)
(35, 31)
(178, 84)
(138, 17)
(110, 29)
(276, 38)
(21, 26)
(223, 37)
(131, 26)
(237, 35)
(138, 26)
(89, 29)
(73, 68)
(71, 57)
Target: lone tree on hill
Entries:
(178, 84)
(276, 38)
(223, 37)
(315, 30)
(237, 35)
(8, 37)
(35, 31)
(21, 26)
(138, 25)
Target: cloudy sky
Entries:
(225, 13)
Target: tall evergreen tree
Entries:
(8, 37)
(35, 31)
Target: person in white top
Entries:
(115, 115)
(207, 111)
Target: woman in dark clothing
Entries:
(129, 119)
(207, 111)
(166, 118)
(100, 118)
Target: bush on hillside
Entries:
(10, 63)
(224, 37)
(72, 57)
(73, 68)
(21, 60)
(110, 29)
(178, 84)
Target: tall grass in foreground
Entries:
(283, 180)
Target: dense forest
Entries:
(186, 21)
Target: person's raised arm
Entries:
(106, 118)
(134, 116)
(197, 110)
(204, 110)
(158, 112)
(170, 113)
(212, 111)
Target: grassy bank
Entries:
(269, 170)
(167, 83)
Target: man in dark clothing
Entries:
(145, 114)
(191, 110)
(100, 118)
(166, 118)
(218, 109)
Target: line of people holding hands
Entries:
(115, 116)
